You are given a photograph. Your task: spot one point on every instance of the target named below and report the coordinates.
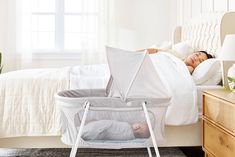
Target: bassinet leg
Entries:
(149, 151)
(150, 129)
(75, 146)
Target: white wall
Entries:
(134, 24)
(192, 8)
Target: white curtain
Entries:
(131, 24)
(8, 35)
(75, 41)
(23, 31)
(94, 50)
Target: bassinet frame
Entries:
(92, 103)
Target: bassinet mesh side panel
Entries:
(72, 115)
(123, 116)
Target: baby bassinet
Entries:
(135, 93)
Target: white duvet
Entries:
(27, 102)
(183, 108)
(27, 105)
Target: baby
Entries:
(140, 130)
(114, 130)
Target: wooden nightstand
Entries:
(219, 123)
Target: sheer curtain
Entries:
(61, 29)
(23, 31)
(92, 33)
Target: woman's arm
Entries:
(150, 50)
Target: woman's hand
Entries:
(190, 69)
(152, 50)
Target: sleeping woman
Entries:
(191, 61)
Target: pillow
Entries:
(183, 48)
(208, 72)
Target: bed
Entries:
(27, 97)
(205, 33)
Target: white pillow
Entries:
(208, 72)
(183, 49)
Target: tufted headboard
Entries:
(207, 32)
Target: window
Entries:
(67, 26)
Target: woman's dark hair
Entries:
(207, 54)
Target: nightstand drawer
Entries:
(217, 141)
(219, 111)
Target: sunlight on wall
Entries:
(132, 24)
(192, 8)
(136, 24)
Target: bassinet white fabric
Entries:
(71, 103)
(139, 86)
(135, 76)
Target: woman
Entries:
(191, 61)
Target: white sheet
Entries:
(89, 76)
(200, 90)
(183, 108)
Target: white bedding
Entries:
(89, 76)
(27, 105)
(27, 102)
(183, 108)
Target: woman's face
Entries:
(195, 59)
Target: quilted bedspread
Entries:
(27, 105)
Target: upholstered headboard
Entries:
(207, 32)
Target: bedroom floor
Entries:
(64, 152)
(192, 151)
